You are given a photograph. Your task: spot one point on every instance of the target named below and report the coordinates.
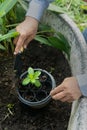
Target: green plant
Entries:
(74, 9)
(10, 107)
(45, 34)
(32, 77)
(11, 13)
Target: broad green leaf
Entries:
(33, 81)
(84, 7)
(8, 35)
(31, 76)
(6, 6)
(42, 40)
(63, 39)
(56, 43)
(2, 47)
(37, 83)
(59, 44)
(37, 74)
(44, 27)
(30, 70)
(26, 81)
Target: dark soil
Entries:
(55, 115)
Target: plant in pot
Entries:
(34, 87)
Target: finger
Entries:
(56, 90)
(65, 99)
(19, 44)
(59, 96)
(15, 40)
(28, 40)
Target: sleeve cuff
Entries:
(36, 8)
(82, 81)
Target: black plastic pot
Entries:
(37, 97)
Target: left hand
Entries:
(67, 91)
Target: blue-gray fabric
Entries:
(37, 7)
(82, 79)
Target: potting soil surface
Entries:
(16, 116)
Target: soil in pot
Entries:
(33, 94)
(29, 96)
(56, 114)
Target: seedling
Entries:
(32, 78)
(10, 107)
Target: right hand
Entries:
(67, 91)
(27, 30)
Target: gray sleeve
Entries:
(82, 81)
(37, 7)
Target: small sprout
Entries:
(32, 77)
(10, 107)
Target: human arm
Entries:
(28, 28)
(37, 7)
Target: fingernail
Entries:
(15, 53)
(25, 46)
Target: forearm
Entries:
(37, 7)
(82, 81)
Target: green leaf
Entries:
(33, 81)
(44, 27)
(37, 74)
(26, 81)
(30, 70)
(8, 35)
(60, 44)
(64, 40)
(6, 6)
(84, 7)
(37, 83)
(56, 43)
(31, 76)
(42, 40)
(55, 9)
(2, 47)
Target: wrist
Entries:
(29, 18)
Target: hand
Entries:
(67, 91)
(27, 29)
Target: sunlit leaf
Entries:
(30, 70)
(8, 35)
(36, 74)
(6, 6)
(26, 81)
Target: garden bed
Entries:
(55, 115)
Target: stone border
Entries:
(78, 61)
